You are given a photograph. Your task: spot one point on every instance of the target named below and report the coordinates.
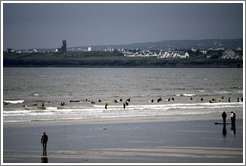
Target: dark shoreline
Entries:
(124, 66)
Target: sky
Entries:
(45, 25)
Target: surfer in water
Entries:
(127, 103)
(106, 106)
(160, 99)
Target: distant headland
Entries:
(186, 53)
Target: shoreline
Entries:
(124, 66)
(113, 121)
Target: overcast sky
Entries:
(46, 25)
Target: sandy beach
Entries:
(122, 141)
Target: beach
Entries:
(125, 141)
(170, 117)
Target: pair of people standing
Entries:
(233, 118)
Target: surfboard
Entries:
(41, 108)
(219, 123)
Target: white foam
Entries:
(189, 95)
(117, 111)
(13, 101)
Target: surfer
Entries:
(99, 101)
(229, 99)
(224, 115)
(201, 99)
(44, 140)
(159, 100)
(127, 103)
(129, 100)
(124, 105)
(106, 106)
(62, 103)
(121, 100)
(42, 104)
(115, 101)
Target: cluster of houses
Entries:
(226, 53)
(230, 54)
(157, 54)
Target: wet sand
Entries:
(189, 141)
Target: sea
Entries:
(84, 92)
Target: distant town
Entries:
(214, 53)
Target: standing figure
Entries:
(124, 105)
(106, 106)
(224, 117)
(44, 140)
(233, 119)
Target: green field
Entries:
(107, 59)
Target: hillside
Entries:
(173, 44)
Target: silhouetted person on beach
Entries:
(44, 140)
(233, 120)
(224, 117)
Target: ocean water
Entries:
(25, 89)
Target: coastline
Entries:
(235, 65)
